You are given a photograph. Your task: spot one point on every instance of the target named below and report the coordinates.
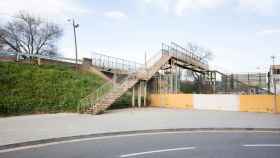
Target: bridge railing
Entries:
(108, 62)
(7, 53)
(183, 53)
(22, 56)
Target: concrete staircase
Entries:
(106, 100)
(110, 97)
(152, 70)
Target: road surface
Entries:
(162, 145)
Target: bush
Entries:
(29, 89)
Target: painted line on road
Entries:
(261, 145)
(126, 135)
(157, 151)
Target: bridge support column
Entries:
(213, 81)
(176, 80)
(38, 60)
(145, 94)
(114, 79)
(133, 97)
(159, 84)
(179, 80)
(139, 94)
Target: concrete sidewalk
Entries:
(35, 127)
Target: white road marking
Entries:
(261, 145)
(128, 135)
(157, 151)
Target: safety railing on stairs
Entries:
(152, 60)
(142, 71)
(135, 71)
(91, 100)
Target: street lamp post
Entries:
(274, 85)
(75, 26)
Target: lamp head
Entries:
(77, 25)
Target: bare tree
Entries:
(30, 34)
(203, 55)
(1, 41)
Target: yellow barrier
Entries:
(258, 103)
(247, 103)
(172, 100)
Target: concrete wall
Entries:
(216, 102)
(227, 102)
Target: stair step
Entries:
(121, 88)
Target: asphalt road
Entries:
(167, 145)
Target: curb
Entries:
(71, 138)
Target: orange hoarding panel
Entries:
(258, 103)
(172, 100)
(246, 103)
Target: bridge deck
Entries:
(183, 57)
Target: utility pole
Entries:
(146, 60)
(75, 26)
(274, 85)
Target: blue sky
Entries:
(242, 34)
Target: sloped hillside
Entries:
(29, 89)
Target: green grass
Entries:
(29, 89)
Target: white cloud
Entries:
(268, 32)
(264, 7)
(180, 7)
(183, 6)
(162, 4)
(115, 15)
(49, 8)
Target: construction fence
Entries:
(226, 102)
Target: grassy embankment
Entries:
(30, 89)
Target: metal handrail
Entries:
(7, 53)
(91, 99)
(57, 58)
(99, 93)
(105, 61)
(188, 52)
(182, 53)
(242, 83)
(150, 62)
